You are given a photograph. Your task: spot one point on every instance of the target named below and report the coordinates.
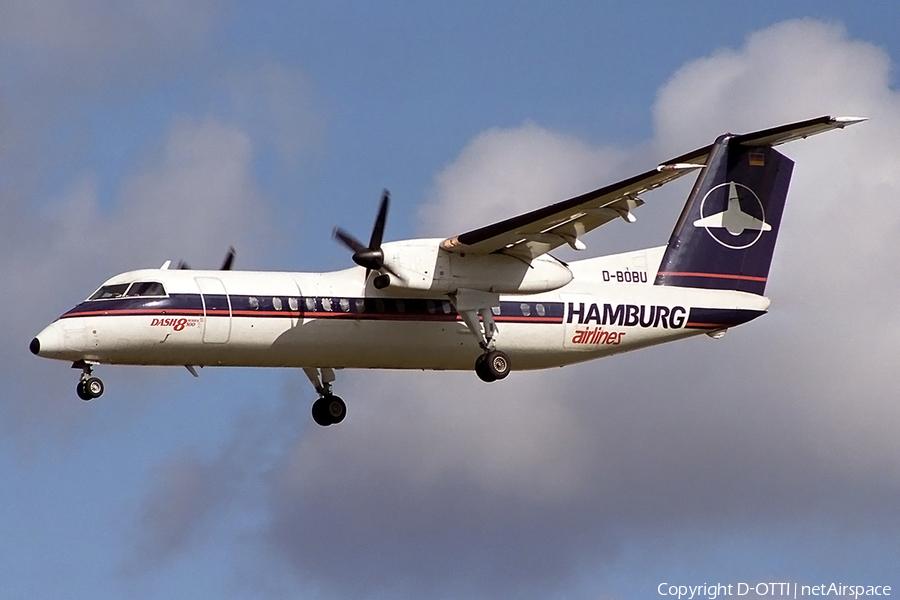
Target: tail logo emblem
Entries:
(733, 219)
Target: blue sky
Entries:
(132, 134)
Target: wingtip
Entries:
(844, 121)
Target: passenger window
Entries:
(495, 310)
(360, 305)
(292, 304)
(310, 304)
(146, 288)
(540, 310)
(526, 310)
(276, 303)
(401, 307)
(326, 304)
(110, 291)
(254, 303)
(345, 305)
(429, 304)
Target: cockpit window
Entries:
(138, 288)
(110, 291)
(146, 288)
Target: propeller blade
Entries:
(370, 257)
(229, 260)
(182, 265)
(348, 240)
(378, 229)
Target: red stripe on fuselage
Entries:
(713, 275)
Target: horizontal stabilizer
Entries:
(775, 136)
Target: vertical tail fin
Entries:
(726, 234)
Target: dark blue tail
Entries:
(726, 234)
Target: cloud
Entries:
(71, 68)
(278, 105)
(439, 485)
(186, 491)
(199, 191)
(835, 222)
(194, 196)
(81, 43)
(504, 172)
(773, 80)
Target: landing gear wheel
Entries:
(81, 390)
(328, 410)
(89, 388)
(337, 410)
(320, 413)
(94, 387)
(497, 364)
(492, 366)
(481, 369)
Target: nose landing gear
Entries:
(88, 387)
(328, 409)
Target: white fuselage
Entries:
(279, 319)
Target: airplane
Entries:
(489, 299)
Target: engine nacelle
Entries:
(423, 265)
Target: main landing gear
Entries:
(88, 387)
(492, 365)
(328, 409)
(474, 307)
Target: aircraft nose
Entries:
(48, 342)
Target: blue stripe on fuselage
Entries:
(417, 309)
(331, 307)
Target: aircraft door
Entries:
(216, 310)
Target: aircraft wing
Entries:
(537, 232)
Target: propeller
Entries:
(229, 260)
(370, 257)
(226, 264)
